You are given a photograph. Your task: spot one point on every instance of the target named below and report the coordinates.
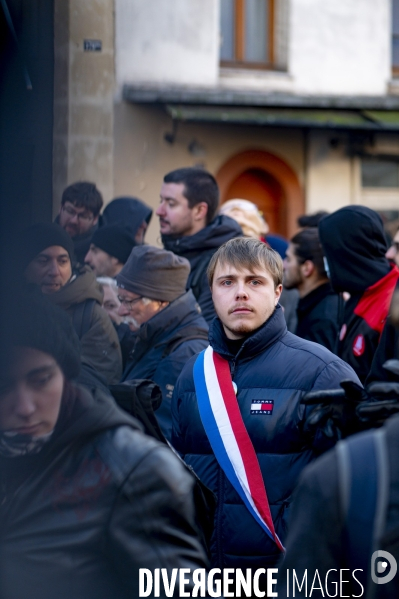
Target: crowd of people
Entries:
(259, 354)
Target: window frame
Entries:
(239, 39)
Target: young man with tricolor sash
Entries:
(237, 412)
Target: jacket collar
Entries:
(314, 297)
(221, 229)
(272, 330)
(163, 325)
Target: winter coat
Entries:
(98, 502)
(199, 249)
(317, 539)
(272, 365)
(354, 244)
(320, 315)
(159, 351)
(100, 348)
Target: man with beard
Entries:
(237, 417)
(79, 215)
(191, 228)
(319, 310)
(47, 263)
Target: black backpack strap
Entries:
(363, 478)
(82, 317)
(190, 333)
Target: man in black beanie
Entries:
(80, 485)
(168, 326)
(110, 247)
(47, 263)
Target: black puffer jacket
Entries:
(272, 365)
(100, 501)
(199, 249)
(320, 316)
(162, 347)
(354, 244)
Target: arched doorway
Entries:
(269, 182)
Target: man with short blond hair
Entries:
(245, 392)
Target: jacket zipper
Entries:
(232, 368)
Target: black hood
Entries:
(220, 230)
(354, 244)
(127, 211)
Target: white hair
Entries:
(107, 281)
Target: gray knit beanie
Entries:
(154, 273)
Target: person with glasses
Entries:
(165, 320)
(79, 215)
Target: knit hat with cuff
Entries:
(154, 273)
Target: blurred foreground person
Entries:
(345, 509)
(79, 215)
(319, 310)
(168, 324)
(237, 418)
(86, 499)
(191, 228)
(354, 244)
(47, 263)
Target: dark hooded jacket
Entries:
(320, 315)
(198, 249)
(275, 366)
(354, 244)
(98, 502)
(162, 346)
(128, 212)
(100, 348)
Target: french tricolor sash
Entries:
(229, 439)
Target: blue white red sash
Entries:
(229, 439)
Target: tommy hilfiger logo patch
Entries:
(262, 406)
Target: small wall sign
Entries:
(92, 45)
